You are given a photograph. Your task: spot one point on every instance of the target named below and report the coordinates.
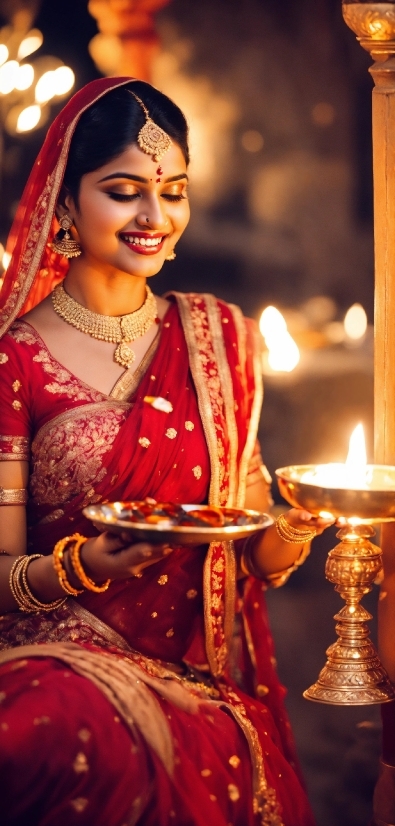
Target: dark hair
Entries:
(111, 124)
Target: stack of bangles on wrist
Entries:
(289, 534)
(76, 541)
(296, 536)
(20, 590)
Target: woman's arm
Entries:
(103, 557)
(269, 553)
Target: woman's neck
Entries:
(115, 293)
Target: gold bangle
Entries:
(13, 496)
(20, 590)
(58, 555)
(293, 535)
(85, 580)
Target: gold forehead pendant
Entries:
(151, 139)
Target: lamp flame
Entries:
(357, 458)
(284, 353)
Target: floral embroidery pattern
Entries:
(67, 454)
(16, 385)
(197, 471)
(65, 385)
(144, 442)
(171, 433)
(3, 358)
(189, 426)
(17, 405)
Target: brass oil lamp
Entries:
(357, 495)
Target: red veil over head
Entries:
(35, 269)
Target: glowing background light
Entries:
(28, 118)
(283, 355)
(3, 53)
(5, 259)
(45, 87)
(355, 322)
(30, 44)
(25, 77)
(8, 76)
(252, 140)
(63, 80)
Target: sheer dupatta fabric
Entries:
(34, 269)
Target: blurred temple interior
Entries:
(278, 99)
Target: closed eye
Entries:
(117, 196)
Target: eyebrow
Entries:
(140, 179)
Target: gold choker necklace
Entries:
(118, 329)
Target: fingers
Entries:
(300, 518)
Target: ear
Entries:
(65, 204)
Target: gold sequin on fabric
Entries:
(191, 594)
(84, 735)
(197, 471)
(16, 385)
(144, 442)
(154, 614)
(234, 761)
(206, 772)
(163, 579)
(3, 358)
(189, 426)
(80, 763)
(16, 405)
(170, 632)
(262, 690)
(233, 792)
(171, 433)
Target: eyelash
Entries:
(116, 196)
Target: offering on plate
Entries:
(167, 513)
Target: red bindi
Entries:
(159, 170)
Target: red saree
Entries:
(186, 744)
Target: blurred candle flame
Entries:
(283, 355)
(355, 322)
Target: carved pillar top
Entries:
(374, 25)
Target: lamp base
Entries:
(352, 684)
(353, 674)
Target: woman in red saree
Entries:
(136, 705)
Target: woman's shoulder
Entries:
(214, 308)
(20, 337)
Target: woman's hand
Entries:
(113, 557)
(303, 519)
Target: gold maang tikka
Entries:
(151, 139)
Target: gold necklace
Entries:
(118, 329)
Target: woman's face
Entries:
(132, 211)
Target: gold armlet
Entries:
(296, 536)
(75, 556)
(58, 561)
(20, 589)
(13, 496)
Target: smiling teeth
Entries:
(145, 242)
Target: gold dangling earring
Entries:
(63, 243)
(171, 256)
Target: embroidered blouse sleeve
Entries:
(15, 425)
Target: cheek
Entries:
(100, 221)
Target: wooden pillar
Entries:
(374, 25)
(127, 41)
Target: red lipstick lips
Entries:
(144, 243)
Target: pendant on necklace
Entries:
(124, 355)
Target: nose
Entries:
(152, 214)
